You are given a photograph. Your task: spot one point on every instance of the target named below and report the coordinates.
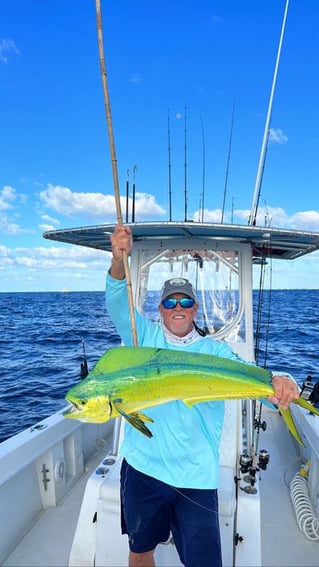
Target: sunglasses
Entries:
(185, 302)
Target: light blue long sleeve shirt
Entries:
(184, 449)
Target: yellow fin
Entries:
(190, 402)
(135, 419)
(288, 419)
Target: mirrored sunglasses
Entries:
(185, 302)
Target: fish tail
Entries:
(288, 419)
(306, 405)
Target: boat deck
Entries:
(283, 545)
(59, 523)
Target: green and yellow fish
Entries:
(127, 380)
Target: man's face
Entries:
(178, 320)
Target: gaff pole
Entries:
(114, 164)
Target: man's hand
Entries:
(121, 241)
(286, 391)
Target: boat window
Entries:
(213, 273)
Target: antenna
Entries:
(185, 169)
(201, 217)
(169, 168)
(267, 218)
(262, 159)
(228, 161)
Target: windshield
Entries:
(215, 277)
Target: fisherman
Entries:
(169, 482)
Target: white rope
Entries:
(307, 521)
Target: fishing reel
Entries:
(248, 465)
(263, 459)
(246, 462)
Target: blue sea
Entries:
(43, 335)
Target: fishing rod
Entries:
(169, 168)
(262, 159)
(133, 194)
(202, 206)
(127, 194)
(228, 161)
(185, 167)
(114, 165)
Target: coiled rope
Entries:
(307, 520)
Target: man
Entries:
(169, 482)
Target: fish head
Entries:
(95, 409)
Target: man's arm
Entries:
(122, 241)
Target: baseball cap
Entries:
(178, 285)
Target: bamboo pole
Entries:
(114, 164)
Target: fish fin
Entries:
(306, 405)
(288, 419)
(190, 402)
(135, 419)
(122, 358)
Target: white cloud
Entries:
(46, 227)
(65, 252)
(273, 216)
(7, 47)
(12, 228)
(213, 215)
(7, 197)
(5, 252)
(52, 220)
(306, 220)
(277, 136)
(97, 205)
(54, 258)
(136, 78)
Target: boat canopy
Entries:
(265, 242)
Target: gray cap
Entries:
(178, 285)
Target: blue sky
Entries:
(205, 57)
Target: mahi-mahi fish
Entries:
(126, 380)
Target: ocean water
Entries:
(42, 338)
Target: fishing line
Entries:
(193, 501)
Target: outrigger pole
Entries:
(261, 165)
(114, 164)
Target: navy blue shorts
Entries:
(151, 510)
